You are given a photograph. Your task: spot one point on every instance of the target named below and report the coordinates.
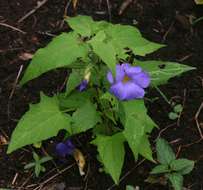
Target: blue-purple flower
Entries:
(65, 149)
(83, 85)
(129, 82)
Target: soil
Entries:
(161, 21)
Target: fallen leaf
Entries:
(75, 4)
(198, 2)
(80, 159)
(3, 140)
(25, 56)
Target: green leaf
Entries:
(129, 187)
(45, 159)
(173, 116)
(165, 153)
(74, 80)
(137, 109)
(160, 169)
(160, 71)
(105, 51)
(183, 166)
(84, 118)
(145, 46)
(41, 122)
(176, 180)
(178, 108)
(37, 169)
(109, 97)
(137, 123)
(145, 148)
(83, 25)
(64, 50)
(123, 36)
(36, 157)
(30, 165)
(75, 99)
(111, 151)
(134, 132)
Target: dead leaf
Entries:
(25, 56)
(3, 140)
(199, 2)
(80, 159)
(75, 4)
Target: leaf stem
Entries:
(162, 95)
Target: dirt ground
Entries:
(161, 21)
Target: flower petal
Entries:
(82, 86)
(127, 91)
(61, 149)
(142, 79)
(131, 70)
(118, 90)
(110, 77)
(120, 74)
(133, 91)
(70, 146)
(64, 149)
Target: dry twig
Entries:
(196, 120)
(16, 81)
(54, 176)
(39, 4)
(109, 9)
(12, 27)
(124, 6)
(183, 105)
(15, 178)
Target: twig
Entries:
(26, 181)
(54, 176)
(185, 57)
(16, 81)
(178, 151)
(164, 129)
(167, 32)
(109, 9)
(190, 144)
(183, 105)
(39, 4)
(66, 8)
(12, 27)
(65, 14)
(124, 6)
(196, 120)
(127, 173)
(15, 178)
(162, 95)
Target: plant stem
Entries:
(163, 95)
(197, 20)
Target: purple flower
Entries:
(129, 82)
(65, 149)
(83, 85)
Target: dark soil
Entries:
(160, 21)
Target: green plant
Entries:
(172, 168)
(129, 187)
(37, 164)
(177, 109)
(103, 92)
(199, 2)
